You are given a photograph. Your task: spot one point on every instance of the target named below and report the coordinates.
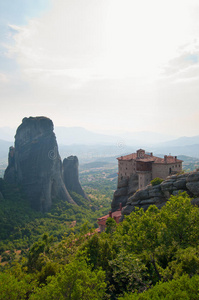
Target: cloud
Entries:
(3, 78)
(185, 64)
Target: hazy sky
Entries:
(105, 65)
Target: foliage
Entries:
(21, 226)
(110, 225)
(183, 288)
(76, 281)
(156, 181)
(12, 288)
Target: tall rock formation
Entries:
(71, 175)
(35, 164)
(126, 188)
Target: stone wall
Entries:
(144, 178)
(159, 194)
(162, 170)
(126, 168)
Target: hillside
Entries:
(149, 255)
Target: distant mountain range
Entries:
(87, 144)
(79, 135)
(181, 142)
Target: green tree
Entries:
(183, 288)
(11, 288)
(76, 281)
(110, 225)
(129, 273)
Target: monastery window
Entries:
(176, 166)
(172, 166)
(179, 166)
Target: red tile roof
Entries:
(116, 214)
(151, 158)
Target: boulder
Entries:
(193, 187)
(180, 184)
(167, 194)
(167, 185)
(140, 195)
(155, 191)
(193, 176)
(151, 201)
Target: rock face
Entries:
(71, 175)
(10, 172)
(159, 194)
(35, 164)
(125, 189)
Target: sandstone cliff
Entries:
(35, 164)
(71, 175)
(159, 194)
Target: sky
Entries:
(105, 65)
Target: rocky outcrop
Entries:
(125, 189)
(71, 175)
(35, 164)
(159, 194)
(10, 172)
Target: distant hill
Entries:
(182, 141)
(90, 153)
(79, 135)
(188, 150)
(87, 144)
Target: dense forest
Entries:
(59, 255)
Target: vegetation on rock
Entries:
(156, 181)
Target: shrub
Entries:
(156, 181)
